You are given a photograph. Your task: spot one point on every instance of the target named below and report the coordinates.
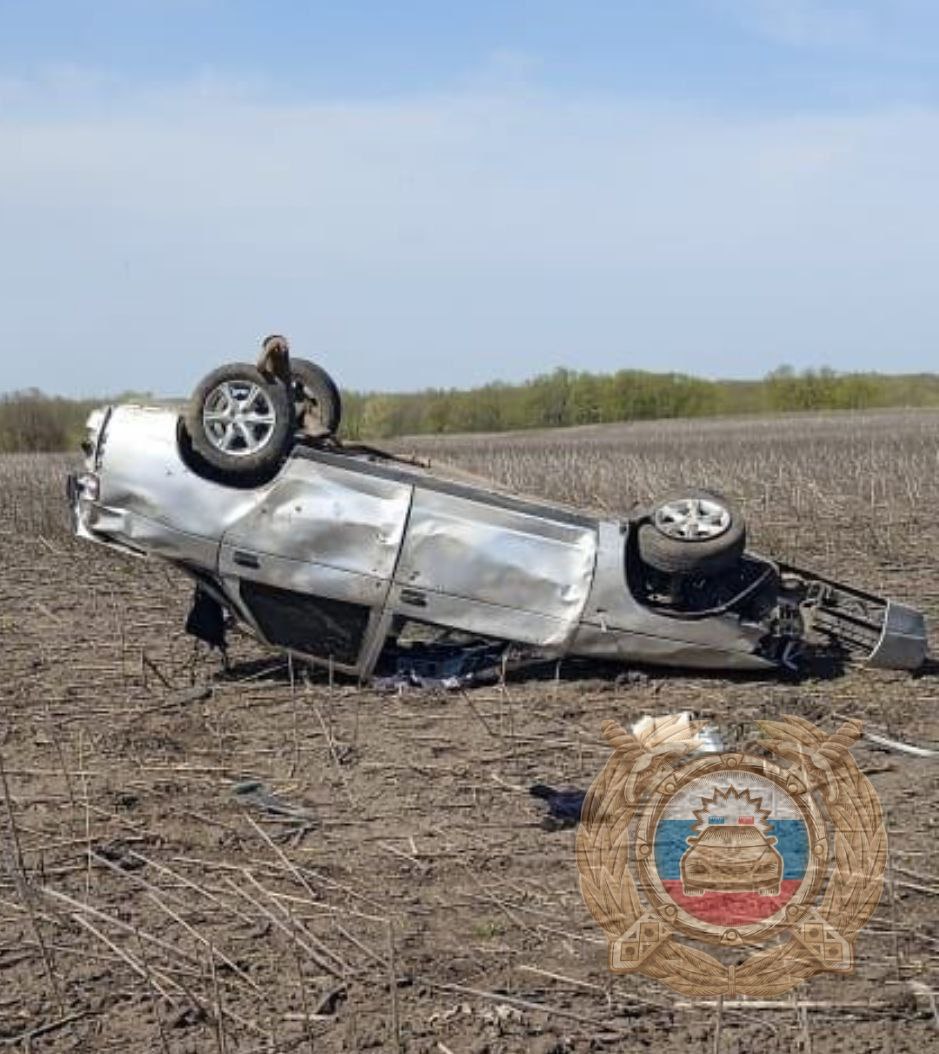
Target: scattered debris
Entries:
(903, 748)
(704, 738)
(187, 1017)
(630, 678)
(120, 854)
(563, 805)
(438, 665)
(329, 1004)
(924, 999)
(253, 793)
(710, 740)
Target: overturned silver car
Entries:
(343, 554)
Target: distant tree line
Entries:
(570, 397)
(32, 421)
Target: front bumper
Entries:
(903, 643)
(879, 632)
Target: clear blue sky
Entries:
(444, 193)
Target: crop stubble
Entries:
(143, 908)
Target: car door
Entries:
(313, 560)
(495, 566)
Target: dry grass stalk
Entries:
(337, 764)
(150, 976)
(154, 1002)
(87, 807)
(394, 1023)
(87, 909)
(298, 875)
(217, 1003)
(289, 931)
(156, 897)
(17, 869)
(718, 1023)
(801, 481)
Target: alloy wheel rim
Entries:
(239, 418)
(692, 519)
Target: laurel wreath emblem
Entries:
(821, 937)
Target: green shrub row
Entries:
(33, 421)
(567, 397)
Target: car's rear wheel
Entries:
(239, 422)
(692, 532)
(317, 403)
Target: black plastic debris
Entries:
(564, 806)
(118, 854)
(254, 794)
(206, 620)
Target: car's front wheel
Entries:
(692, 532)
(240, 422)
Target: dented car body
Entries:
(343, 546)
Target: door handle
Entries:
(243, 559)
(414, 597)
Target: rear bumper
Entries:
(84, 514)
(71, 496)
(76, 497)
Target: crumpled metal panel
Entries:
(499, 557)
(617, 626)
(142, 474)
(148, 537)
(488, 620)
(335, 517)
(305, 576)
(617, 645)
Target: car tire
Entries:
(692, 532)
(240, 423)
(317, 403)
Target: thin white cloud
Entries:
(805, 23)
(456, 238)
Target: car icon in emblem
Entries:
(731, 858)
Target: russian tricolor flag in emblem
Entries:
(731, 848)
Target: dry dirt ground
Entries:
(418, 904)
